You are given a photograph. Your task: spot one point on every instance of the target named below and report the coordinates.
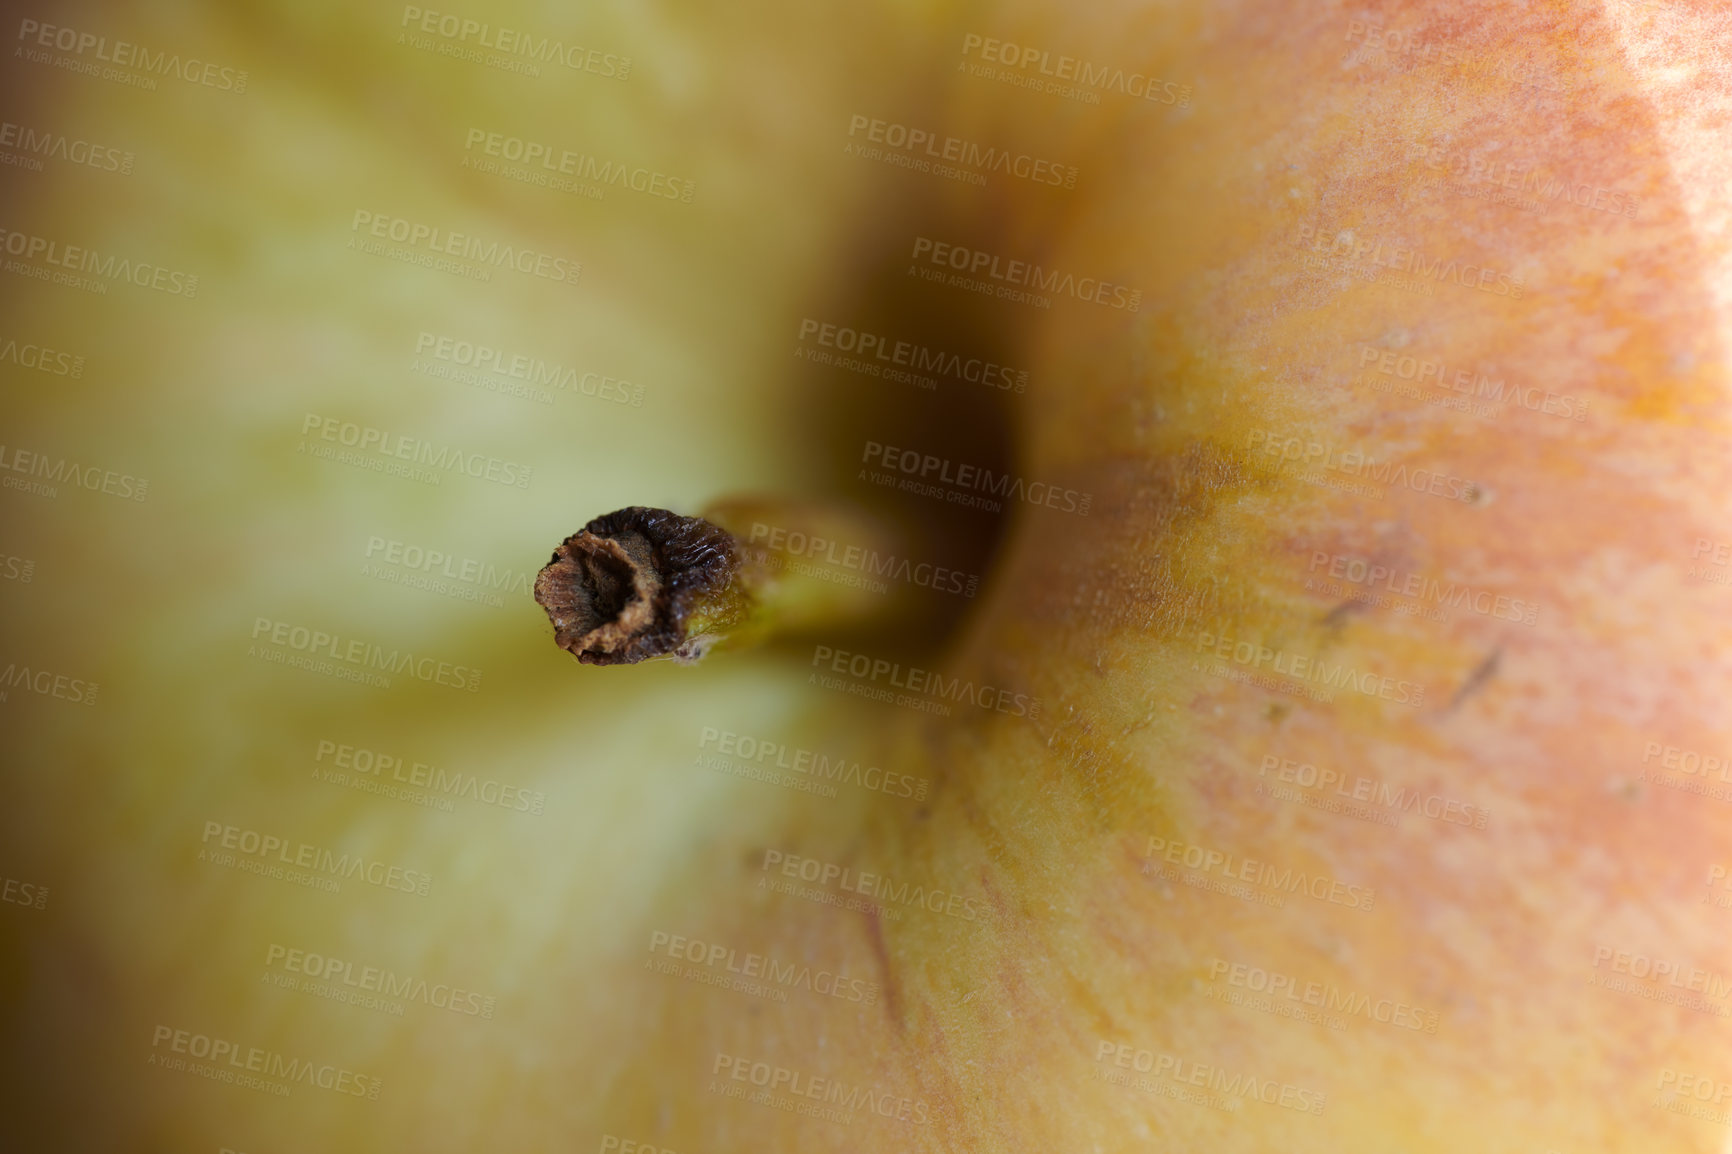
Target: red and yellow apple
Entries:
(1317, 742)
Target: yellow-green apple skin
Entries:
(1253, 852)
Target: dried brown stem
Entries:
(642, 583)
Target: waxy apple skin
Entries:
(1087, 926)
(1539, 933)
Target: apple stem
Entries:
(641, 584)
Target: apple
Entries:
(1315, 740)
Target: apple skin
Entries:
(1586, 864)
(987, 1017)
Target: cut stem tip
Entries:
(642, 583)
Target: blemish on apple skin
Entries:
(1482, 673)
(1337, 617)
(892, 1001)
(1625, 789)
